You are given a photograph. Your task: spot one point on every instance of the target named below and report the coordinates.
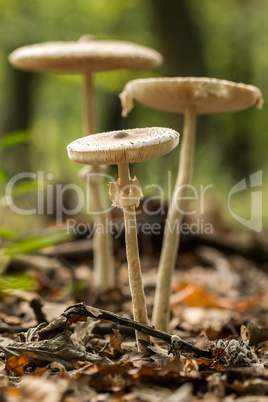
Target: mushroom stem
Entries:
(124, 175)
(89, 105)
(102, 241)
(161, 311)
(134, 266)
(102, 245)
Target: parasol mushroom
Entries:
(87, 56)
(190, 96)
(122, 148)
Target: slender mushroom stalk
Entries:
(133, 259)
(90, 126)
(102, 240)
(190, 96)
(122, 148)
(87, 56)
(171, 238)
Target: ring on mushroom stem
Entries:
(137, 145)
(190, 96)
(88, 56)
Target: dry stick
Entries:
(36, 304)
(134, 266)
(177, 344)
(161, 311)
(102, 241)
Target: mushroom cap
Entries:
(86, 54)
(119, 147)
(206, 95)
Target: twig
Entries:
(79, 311)
(37, 305)
(97, 330)
(14, 330)
(74, 313)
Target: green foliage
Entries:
(3, 176)
(10, 283)
(37, 242)
(24, 187)
(37, 21)
(7, 234)
(32, 244)
(14, 139)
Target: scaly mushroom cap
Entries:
(86, 54)
(119, 147)
(206, 95)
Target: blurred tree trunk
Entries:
(181, 44)
(17, 159)
(179, 39)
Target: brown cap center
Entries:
(121, 134)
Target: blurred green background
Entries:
(41, 113)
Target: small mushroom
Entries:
(122, 148)
(190, 96)
(87, 56)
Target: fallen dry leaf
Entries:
(116, 341)
(183, 394)
(256, 386)
(40, 389)
(197, 295)
(253, 334)
(18, 363)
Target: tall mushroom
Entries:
(122, 148)
(87, 56)
(190, 96)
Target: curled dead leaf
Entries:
(40, 389)
(253, 334)
(197, 295)
(17, 364)
(75, 318)
(116, 341)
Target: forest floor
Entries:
(219, 304)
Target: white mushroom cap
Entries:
(120, 147)
(206, 95)
(86, 54)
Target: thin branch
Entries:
(37, 305)
(177, 344)
(78, 312)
